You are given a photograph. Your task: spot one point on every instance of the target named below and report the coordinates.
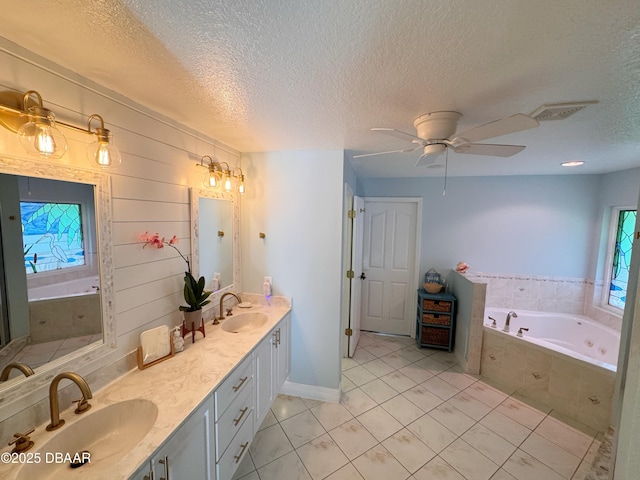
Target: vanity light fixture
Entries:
(38, 131)
(218, 175)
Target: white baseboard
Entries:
(312, 392)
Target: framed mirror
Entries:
(215, 239)
(56, 287)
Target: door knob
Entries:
(362, 276)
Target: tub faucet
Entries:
(221, 317)
(506, 323)
(25, 369)
(54, 405)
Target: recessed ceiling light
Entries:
(575, 163)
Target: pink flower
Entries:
(173, 240)
(155, 241)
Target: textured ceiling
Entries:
(308, 74)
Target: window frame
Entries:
(608, 267)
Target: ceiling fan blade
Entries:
(512, 124)
(384, 153)
(398, 134)
(489, 149)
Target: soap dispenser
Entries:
(178, 341)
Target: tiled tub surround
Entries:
(176, 385)
(546, 294)
(411, 413)
(576, 388)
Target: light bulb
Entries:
(241, 187)
(39, 136)
(227, 183)
(103, 152)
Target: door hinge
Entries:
(351, 214)
(348, 332)
(637, 236)
(350, 274)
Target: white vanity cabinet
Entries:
(234, 418)
(188, 453)
(272, 365)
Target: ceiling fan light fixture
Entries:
(573, 163)
(434, 149)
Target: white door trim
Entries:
(418, 244)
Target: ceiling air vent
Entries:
(559, 111)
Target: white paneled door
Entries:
(389, 265)
(356, 268)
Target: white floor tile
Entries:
(302, 428)
(524, 467)
(452, 418)
(508, 429)
(321, 457)
(416, 373)
(432, 433)
(398, 381)
(378, 367)
(288, 466)
(348, 472)
(330, 415)
(521, 413)
(353, 439)
(558, 459)
(457, 379)
(286, 406)
(379, 464)
(408, 450)
(486, 394)
(357, 401)
(359, 375)
(565, 436)
(268, 445)
(469, 405)
(402, 409)
(396, 360)
(379, 423)
(438, 469)
(442, 389)
(378, 391)
(422, 398)
(490, 444)
(468, 461)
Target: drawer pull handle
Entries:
(236, 421)
(237, 387)
(239, 456)
(165, 462)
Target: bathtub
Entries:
(573, 335)
(61, 310)
(564, 362)
(70, 288)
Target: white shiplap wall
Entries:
(150, 190)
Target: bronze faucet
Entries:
(83, 405)
(26, 369)
(216, 320)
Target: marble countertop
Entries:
(177, 386)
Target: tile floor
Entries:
(37, 354)
(410, 413)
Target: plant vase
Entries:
(193, 323)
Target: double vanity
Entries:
(191, 416)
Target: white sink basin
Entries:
(244, 322)
(107, 434)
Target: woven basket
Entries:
(432, 287)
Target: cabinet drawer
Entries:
(231, 421)
(436, 305)
(234, 385)
(435, 336)
(436, 319)
(238, 448)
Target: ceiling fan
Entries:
(437, 131)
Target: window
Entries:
(621, 258)
(52, 236)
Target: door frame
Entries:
(418, 245)
(347, 204)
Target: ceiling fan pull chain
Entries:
(446, 167)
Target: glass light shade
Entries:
(241, 187)
(227, 183)
(211, 179)
(39, 136)
(104, 154)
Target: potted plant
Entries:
(194, 294)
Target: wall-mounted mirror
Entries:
(214, 238)
(55, 270)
